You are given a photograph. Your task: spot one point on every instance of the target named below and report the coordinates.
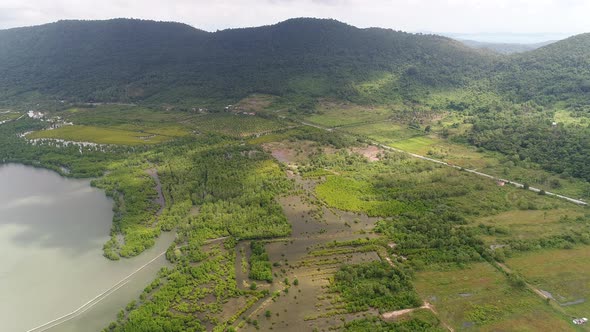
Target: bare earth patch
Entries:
(294, 152)
(371, 152)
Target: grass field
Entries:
(420, 144)
(357, 196)
(479, 298)
(235, 125)
(108, 135)
(386, 132)
(493, 163)
(6, 115)
(532, 224)
(341, 114)
(563, 273)
(118, 115)
(134, 125)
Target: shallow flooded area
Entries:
(52, 230)
(308, 304)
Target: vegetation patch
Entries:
(375, 285)
(237, 124)
(352, 195)
(260, 267)
(417, 321)
(339, 114)
(481, 296)
(100, 135)
(564, 274)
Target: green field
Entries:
(332, 114)
(528, 224)
(398, 135)
(419, 144)
(109, 135)
(235, 125)
(8, 115)
(135, 125)
(563, 273)
(386, 132)
(356, 196)
(479, 298)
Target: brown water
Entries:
(51, 234)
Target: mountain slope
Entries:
(94, 59)
(559, 71)
(130, 60)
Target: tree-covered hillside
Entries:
(557, 71)
(127, 60)
(131, 60)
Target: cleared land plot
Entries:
(532, 224)
(133, 125)
(493, 163)
(8, 115)
(118, 124)
(113, 115)
(565, 274)
(236, 125)
(420, 144)
(386, 132)
(341, 114)
(107, 135)
(479, 298)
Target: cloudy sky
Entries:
(560, 17)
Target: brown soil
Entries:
(310, 304)
(370, 152)
(254, 103)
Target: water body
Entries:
(51, 234)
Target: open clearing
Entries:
(532, 224)
(334, 114)
(479, 298)
(565, 274)
(104, 135)
(235, 125)
(133, 125)
(399, 135)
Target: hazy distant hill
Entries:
(138, 60)
(504, 48)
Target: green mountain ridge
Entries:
(561, 69)
(130, 60)
(124, 60)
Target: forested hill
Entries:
(135, 60)
(554, 72)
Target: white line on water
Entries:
(83, 308)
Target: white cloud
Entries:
(521, 16)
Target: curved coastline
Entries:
(51, 233)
